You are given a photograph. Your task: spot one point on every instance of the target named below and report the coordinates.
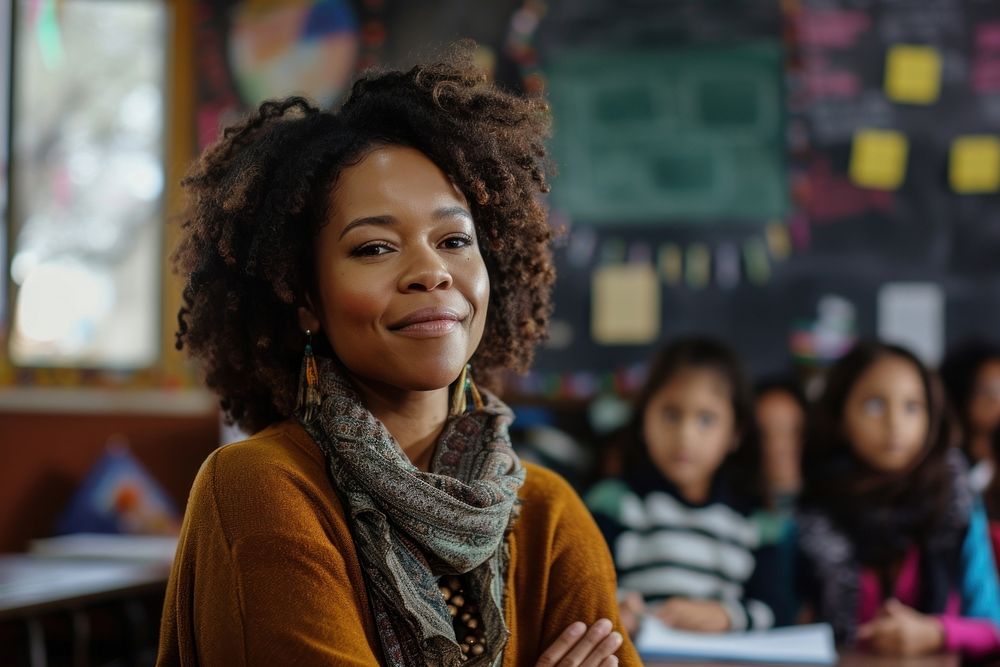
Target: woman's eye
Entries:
(914, 407)
(372, 250)
(456, 242)
(706, 419)
(873, 406)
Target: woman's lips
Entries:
(428, 328)
(428, 323)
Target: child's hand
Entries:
(631, 609)
(695, 615)
(900, 630)
(579, 646)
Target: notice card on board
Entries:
(802, 644)
(912, 315)
(626, 304)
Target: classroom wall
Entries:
(45, 457)
(45, 454)
(753, 214)
(847, 248)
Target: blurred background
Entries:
(785, 175)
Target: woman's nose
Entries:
(426, 271)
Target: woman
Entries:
(342, 271)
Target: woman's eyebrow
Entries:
(380, 220)
(452, 212)
(386, 220)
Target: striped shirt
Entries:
(664, 547)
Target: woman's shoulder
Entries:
(548, 499)
(552, 515)
(544, 485)
(279, 450)
(266, 479)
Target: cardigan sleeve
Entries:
(578, 583)
(257, 579)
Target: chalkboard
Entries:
(842, 238)
(648, 135)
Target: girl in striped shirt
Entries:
(683, 545)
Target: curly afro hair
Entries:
(258, 197)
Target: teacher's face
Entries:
(402, 286)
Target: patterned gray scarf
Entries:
(410, 527)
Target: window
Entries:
(87, 182)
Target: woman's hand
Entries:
(579, 646)
(901, 630)
(694, 615)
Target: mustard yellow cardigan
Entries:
(266, 571)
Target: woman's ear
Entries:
(308, 321)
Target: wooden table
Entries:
(847, 659)
(34, 587)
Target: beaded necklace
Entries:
(465, 617)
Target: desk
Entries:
(33, 588)
(32, 585)
(847, 659)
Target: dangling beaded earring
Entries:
(309, 399)
(464, 386)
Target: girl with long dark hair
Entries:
(894, 545)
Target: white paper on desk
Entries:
(802, 644)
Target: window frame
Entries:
(169, 385)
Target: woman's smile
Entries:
(429, 322)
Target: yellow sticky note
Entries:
(913, 74)
(878, 159)
(625, 308)
(975, 164)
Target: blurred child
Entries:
(971, 373)
(780, 411)
(682, 550)
(895, 550)
(771, 474)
